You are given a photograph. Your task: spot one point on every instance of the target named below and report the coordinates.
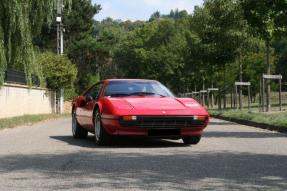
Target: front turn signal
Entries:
(129, 118)
(199, 118)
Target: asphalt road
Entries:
(229, 157)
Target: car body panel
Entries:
(113, 108)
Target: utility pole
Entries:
(60, 47)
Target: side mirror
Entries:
(89, 98)
(81, 101)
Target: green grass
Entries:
(276, 119)
(28, 120)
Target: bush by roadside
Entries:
(28, 120)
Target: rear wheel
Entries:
(192, 140)
(101, 136)
(77, 130)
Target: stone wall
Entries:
(18, 100)
(68, 107)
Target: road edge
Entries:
(269, 127)
(31, 122)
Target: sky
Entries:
(141, 9)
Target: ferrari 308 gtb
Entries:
(144, 108)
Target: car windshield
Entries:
(136, 88)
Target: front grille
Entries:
(164, 122)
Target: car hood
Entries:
(154, 103)
(157, 106)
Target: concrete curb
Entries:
(280, 129)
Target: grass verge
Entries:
(276, 119)
(28, 120)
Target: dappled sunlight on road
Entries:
(230, 156)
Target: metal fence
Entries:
(17, 77)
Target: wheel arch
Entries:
(97, 106)
(73, 108)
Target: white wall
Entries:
(17, 100)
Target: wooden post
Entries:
(231, 99)
(211, 100)
(235, 96)
(203, 99)
(208, 101)
(260, 96)
(249, 99)
(280, 94)
(263, 94)
(234, 106)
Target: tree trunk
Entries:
(203, 94)
(224, 91)
(212, 96)
(268, 104)
(240, 79)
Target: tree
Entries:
(80, 44)
(59, 72)
(110, 34)
(219, 26)
(280, 46)
(89, 56)
(156, 51)
(19, 21)
(265, 18)
(78, 22)
(155, 16)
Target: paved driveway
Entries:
(229, 157)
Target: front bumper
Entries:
(153, 126)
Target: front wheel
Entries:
(101, 136)
(77, 130)
(192, 140)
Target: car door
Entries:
(92, 96)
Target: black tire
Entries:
(101, 136)
(77, 131)
(192, 140)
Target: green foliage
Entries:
(70, 94)
(181, 50)
(19, 21)
(254, 66)
(190, 49)
(155, 50)
(88, 56)
(58, 71)
(174, 14)
(80, 45)
(280, 46)
(79, 21)
(265, 17)
(219, 25)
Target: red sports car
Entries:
(130, 107)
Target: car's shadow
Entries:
(121, 142)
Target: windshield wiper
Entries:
(119, 95)
(145, 93)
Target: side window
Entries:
(95, 91)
